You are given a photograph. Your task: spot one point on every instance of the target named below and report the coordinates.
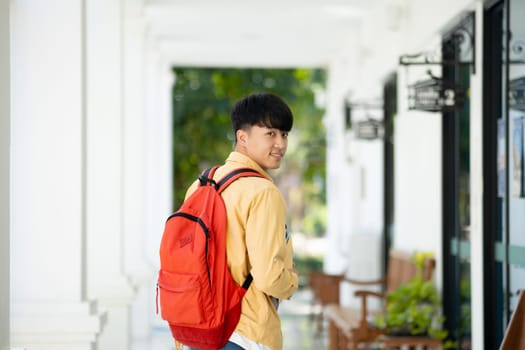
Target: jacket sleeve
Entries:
(269, 250)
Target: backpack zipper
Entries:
(206, 233)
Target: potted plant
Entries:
(414, 309)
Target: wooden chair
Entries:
(514, 338)
(325, 289)
(350, 327)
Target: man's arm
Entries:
(269, 251)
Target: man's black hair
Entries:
(263, 109)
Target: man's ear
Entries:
(241, 136)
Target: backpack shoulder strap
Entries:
(206, 176)
(234, 175)
(225, 182)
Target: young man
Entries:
(258, 242)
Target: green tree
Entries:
(202, 100)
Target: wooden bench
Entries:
(514, 338)
(349, 327)
(412, 342)
(325, 289)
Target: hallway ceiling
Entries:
(271, 33)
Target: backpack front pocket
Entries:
(180, 298)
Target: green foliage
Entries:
(314, 222)
(304, 264)
(414, 308)
(202, 100)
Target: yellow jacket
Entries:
(257, 242)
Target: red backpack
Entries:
(198, 296)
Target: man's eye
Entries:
(285, 134)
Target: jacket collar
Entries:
(240, 160)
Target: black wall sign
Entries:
(435, 95)
(370, 129)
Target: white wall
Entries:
(340, 187)
(158, 157)
(157, 169)
(47, 148)
(407, 27)
(104, 135)
(418, 187)
(368, 184)
(417, 172)
(4, 174)
(136, 264)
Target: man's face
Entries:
(266, 146)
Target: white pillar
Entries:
(158, 149)
(4, 175)
(49, 308)
(476, 185)
(107, 282)
(157, 157)
(141, 271)
(341, 186)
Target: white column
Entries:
(340, 169)
(476, 185)
(4, 175)
(158, 149)
(107, 282)
(157, 157)
(49, 308)
(141, 271)
(161, 150)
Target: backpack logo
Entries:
(185, 240)
(197, 294)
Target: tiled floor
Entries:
(299, 324)
(299, 327)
